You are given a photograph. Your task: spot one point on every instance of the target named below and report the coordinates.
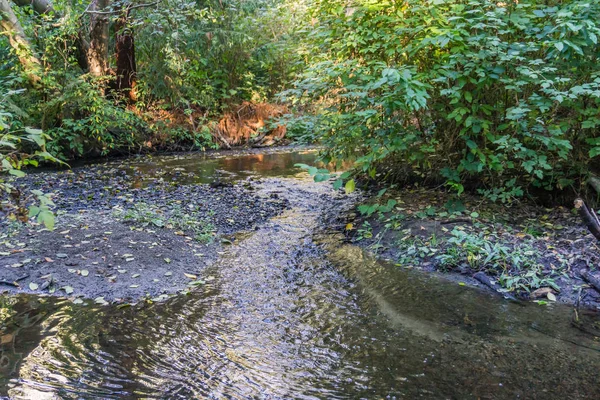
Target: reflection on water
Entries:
(287, 314)
(202, 169)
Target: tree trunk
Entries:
(125, 57)
(16, 36)
(97, 49)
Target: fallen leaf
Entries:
(33, 286)
(101, 301)
(84, 272)
(190, 276)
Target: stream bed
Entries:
(289, 310)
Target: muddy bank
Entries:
(126, 231)
(524, 252)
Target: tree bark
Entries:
(125, 57)
(97, 48)
(16, 36)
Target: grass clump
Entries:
(189, 222)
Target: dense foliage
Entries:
(192, 61)
(504, 96)
(21, 146)
(501, 97)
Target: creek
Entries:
(291, 310)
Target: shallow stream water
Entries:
(292, 311)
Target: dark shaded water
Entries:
(292, 312)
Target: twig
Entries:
(87, 11)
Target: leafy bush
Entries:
(21, 146)
(506, 94)
(81, 121)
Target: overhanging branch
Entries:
(113, 12)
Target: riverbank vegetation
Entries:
(471, 97)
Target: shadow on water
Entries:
(292, 313)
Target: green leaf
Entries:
(33, 211)
(16, 173)
(47, 218)
(350, 186)
(321, 177)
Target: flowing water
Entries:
(291, 311)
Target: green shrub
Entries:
(21, 146)
(504, 94)
(82, 121)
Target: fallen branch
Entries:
(13, 283)
(483, 278)
(456, 221)
(591, 279)
(589, 218)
